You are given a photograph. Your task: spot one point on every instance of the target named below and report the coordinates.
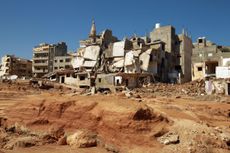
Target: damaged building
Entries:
(210, 60)
(178, 52)
(48, 58)
(12, 65)
(105, 62)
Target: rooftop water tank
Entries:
(158, 25)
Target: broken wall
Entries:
(198, 71)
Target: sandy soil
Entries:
(119, 121)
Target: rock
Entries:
(111, 148)
(128, 94)
(20, 129)
(137, 96)
(82, 139)
(62, 140)
(16, 128)
(57, 131)
(48, 139)
(169, 138)
(225, 137)
(21, 142)
(3, 122)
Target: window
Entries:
(151, 58)
(67, 60)
(99, 79)
(163, 47)
(200, 40)
(209, 54)
(82, 77)
(55, 61)
(178, 68)
(199, 68)
(55, 68)
(74, 76)
(61, 61)
(67, 75)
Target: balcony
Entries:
(40, 71)
(41, 51)
(40, 64)
(41, 58)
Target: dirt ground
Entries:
(144, 122)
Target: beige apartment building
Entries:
(12, 65)
(207, 57)
(178, 51)
(50, 57)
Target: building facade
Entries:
(206, 57)
(50, 57)
(178, 52)
(12, 65)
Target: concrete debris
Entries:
(194, 88)
(21, 142)
(111, 148)
(82, 139)
(169, 138)
(225, 137)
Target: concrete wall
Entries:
(105, 81)
(165, 34)
(62, 62)
(86, 82)
(185, 58)
(198, 71)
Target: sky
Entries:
(27, 23)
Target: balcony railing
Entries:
(40, 71)
(40, 58)
(40, 64)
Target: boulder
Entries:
(111, 148)
(169, 138)
(82, 139)
(225, 136)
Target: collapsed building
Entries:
(12, 65)
(105, 62)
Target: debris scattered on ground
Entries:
(169, 138)
(82, 139)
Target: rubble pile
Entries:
(17, 136)
(194, 88)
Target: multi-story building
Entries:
(62, 62)
(178, 52)
(12, 65)
(49, 57)
(206, 57)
